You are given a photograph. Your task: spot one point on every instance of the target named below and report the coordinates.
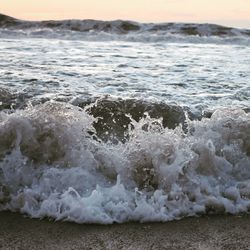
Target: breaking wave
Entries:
(54, 163)
(95, 30)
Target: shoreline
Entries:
(207, 232)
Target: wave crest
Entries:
(95, 30)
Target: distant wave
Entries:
(136, 31)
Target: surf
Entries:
(53, 164)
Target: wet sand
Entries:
(209, 232)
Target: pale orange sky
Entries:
(228, 12)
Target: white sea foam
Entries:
(51, 166)
(188, 74)
(144, 37)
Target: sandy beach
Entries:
(210, 232)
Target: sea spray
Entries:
(54, 165)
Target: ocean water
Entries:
(104, 122)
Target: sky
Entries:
(226, 12)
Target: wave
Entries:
(114, 114)
(121, 30)
(54, 164)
